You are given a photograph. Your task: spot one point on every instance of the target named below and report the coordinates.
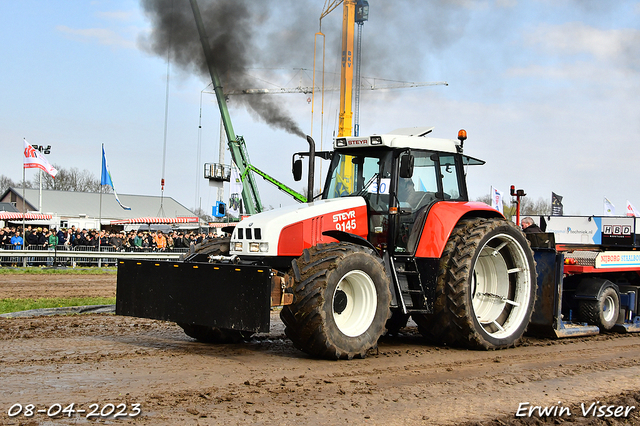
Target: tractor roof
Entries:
(413, 138)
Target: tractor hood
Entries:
(287, 231)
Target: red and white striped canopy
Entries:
(220, 224)
(27, 216)
(156, 220)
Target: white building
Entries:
(63, 209)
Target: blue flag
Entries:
(106, 179)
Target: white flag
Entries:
(631, 211)
(609, 208)
(496, 199)
(34, 158)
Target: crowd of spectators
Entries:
(42, 238)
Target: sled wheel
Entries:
(340, 303)
(486, 287)
(216, 246)
(602, 312)
(397, 322)
(208, 334)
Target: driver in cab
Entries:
(407, 192)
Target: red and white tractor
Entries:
(393, 236)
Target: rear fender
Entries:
(441, 220)
(350, 238)
(592, 288)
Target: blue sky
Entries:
(546, 89)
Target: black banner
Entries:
(556, 205)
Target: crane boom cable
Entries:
(357, 85)
(328, 8)
(198, 151)
(322, 90)
(310, 89)
(166, 120)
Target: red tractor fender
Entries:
(441, 220)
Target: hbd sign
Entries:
(616, 230)
(617, 234)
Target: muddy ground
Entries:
(58, 285)
(105, 359)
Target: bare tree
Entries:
(528, 207)
(203, 214)
(7, 182)
(72, 179)
(485, 199)
(316, 192)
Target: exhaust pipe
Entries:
(312, 164)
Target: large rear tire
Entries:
(340, 303)
(486, 287)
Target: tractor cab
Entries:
(400, 176)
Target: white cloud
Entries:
(101, 35)
(577, 38)
(483, 4)
(579, 70)
(117, 15)
(507, 4)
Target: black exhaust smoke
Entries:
(230, 27)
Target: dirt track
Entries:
(36, 286)
(101, 359)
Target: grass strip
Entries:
(17, 305)
(34, 270)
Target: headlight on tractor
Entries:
(237, 246)
(258, 247)
(376, 140)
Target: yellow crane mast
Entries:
(346, 75)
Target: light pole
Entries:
(44, 150)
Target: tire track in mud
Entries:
(101, 358)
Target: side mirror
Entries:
(406, 166)
(297, 170)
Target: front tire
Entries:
(341, 301)
(486, 287)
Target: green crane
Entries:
(237, 147)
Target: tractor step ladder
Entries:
(411, 298)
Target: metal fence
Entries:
(79, 255)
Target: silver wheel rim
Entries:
(361, 303)
(608, 309)
(501, 286)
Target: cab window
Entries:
(449, 175)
